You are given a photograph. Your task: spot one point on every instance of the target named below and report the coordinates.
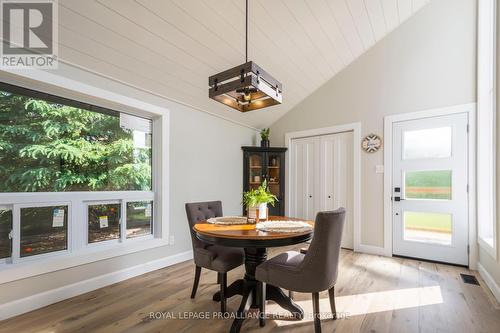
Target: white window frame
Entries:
(486, 122)
(78, 252)
(11, 208)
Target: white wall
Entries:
(428, 62)
(205, 164)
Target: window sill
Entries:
(12, 272)
(486, 246)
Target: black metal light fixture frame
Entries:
(245, 87)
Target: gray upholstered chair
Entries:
(312, 272)
(213, 257)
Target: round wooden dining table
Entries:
(255, 243)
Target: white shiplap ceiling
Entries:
(170, 47)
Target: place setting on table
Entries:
(251, 235)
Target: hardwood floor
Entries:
(375, 294)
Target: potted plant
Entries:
(264, 137)
(257, 199)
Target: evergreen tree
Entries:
(49, 147)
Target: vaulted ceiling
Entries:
(170, 47)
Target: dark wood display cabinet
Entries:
(268, 163)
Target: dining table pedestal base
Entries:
(247, 288)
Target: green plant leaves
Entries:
(264, 134)
(260, 195)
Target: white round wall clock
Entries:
(371, 143)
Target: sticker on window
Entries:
(103, 221)
(58, 218)
(148, 210)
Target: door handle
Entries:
(398, 199)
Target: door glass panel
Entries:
(434, 184)
(255, 167)
(43, 230)
(274, 176)
(5, 228)
(104, 222)
(427, 143)
(139, 217)
(428, 227)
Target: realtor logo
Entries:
(29, 34)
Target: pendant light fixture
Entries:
(245, 87)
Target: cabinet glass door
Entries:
(256, 168)
(274, 173)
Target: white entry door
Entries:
(430, 205)
(321, 178)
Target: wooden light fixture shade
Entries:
(245, 88)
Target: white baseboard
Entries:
(370, 249)
(40, 300)
(490, 282)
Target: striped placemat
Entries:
(228, 220)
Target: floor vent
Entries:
(470, 279)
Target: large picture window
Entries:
(47, 146)
(486, 120)
(82, 176)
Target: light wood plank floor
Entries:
(376, 294)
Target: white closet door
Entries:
(304, 170)
(336, 179)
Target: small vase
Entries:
(263, 211)
(252, 212)
(264, 143)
